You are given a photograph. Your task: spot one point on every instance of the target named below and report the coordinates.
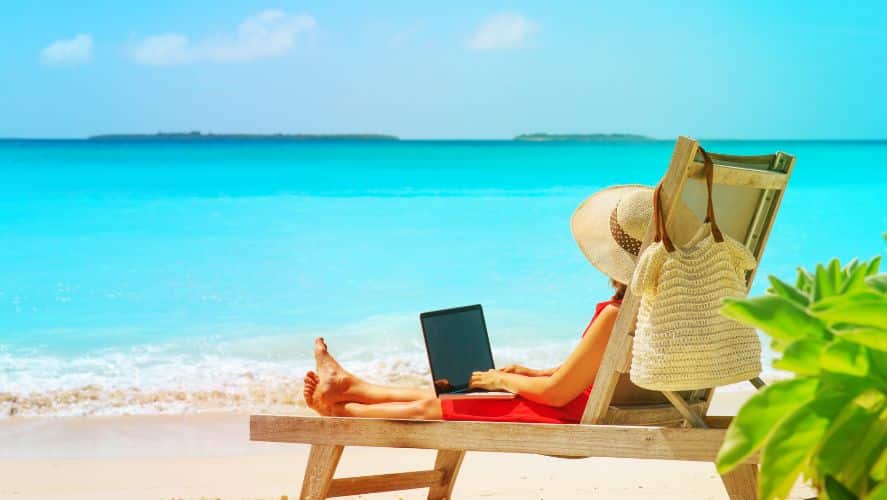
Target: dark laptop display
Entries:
(457, 345)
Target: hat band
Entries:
(623, 239)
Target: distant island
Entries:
(199, 136)
(540, 137)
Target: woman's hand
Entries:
(490, 380)
(522, 370)
(516, 369)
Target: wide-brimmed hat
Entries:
(610, 226)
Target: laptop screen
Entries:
(457, 344)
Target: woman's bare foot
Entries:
(334, 385)
(338, 410)
(309, 392)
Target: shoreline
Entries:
(191, 435)
(210, 455)
(263, 395)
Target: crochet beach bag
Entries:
(681, 341)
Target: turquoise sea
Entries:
(190, 276)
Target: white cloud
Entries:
(502, 31)
(269, 33)
(68, 52)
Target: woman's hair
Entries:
(619, 289)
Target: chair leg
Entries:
(742, 482)
(448, 461)
(322, 463)
(689, 415)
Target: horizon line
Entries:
(395, 138)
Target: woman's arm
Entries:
(569, 380)
(528, 372)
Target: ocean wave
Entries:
(254, 373)
(172, 386)
(170, 380)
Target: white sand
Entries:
(210, 456)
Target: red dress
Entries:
(519, 409)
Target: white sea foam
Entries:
(148, 381)
(223, 372)
(243, 374)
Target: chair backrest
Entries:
(747, 194)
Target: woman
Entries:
(608, 227)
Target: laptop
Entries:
(457, 344)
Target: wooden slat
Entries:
(379, 483)
(765, 232)
(742, 177)
(742, 482)
(718, 421)
(658, 415)
(744, 161)
(681, 406)
(448, 462)
(322, 463)
(564, 440)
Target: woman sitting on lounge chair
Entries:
(608, 227)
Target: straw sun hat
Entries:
(610, 225)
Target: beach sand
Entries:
(210, 456)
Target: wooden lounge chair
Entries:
(620, 420)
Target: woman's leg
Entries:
(423, 409)
(368, 393)
(333, 384)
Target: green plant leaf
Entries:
(879, 469)
(860, 308)
(759, 415)
(879, 493)
(875, 338)
(779, 345)
(877, 282)
(801, 357)
(873, 458)
(804, 282)
(847, 383)
(777, 316)
(846, 357)
(855, 280)
(791, 445)
(835, 274)
(791, 293)
(824, 281)
(879, 366)
(874, 265)
(853, 440)
(834, 490)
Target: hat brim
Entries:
(590, 225)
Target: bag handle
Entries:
(709, 182)
(658, 223)
(659, 219)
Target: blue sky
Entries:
(453, 69)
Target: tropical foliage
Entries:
(828, 422)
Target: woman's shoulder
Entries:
(607, 308)
(610, 309)
(612, 304)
